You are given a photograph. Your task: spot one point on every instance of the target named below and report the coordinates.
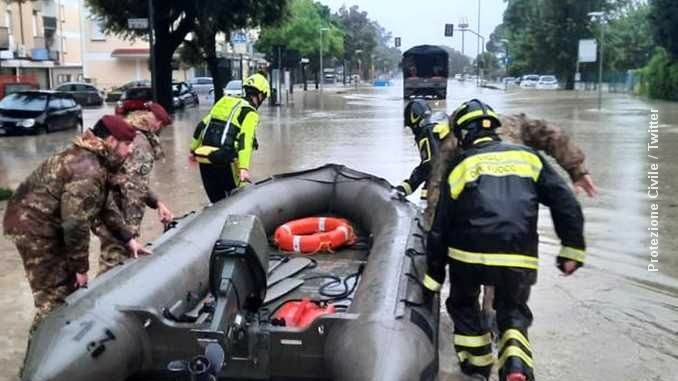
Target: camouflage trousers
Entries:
(113, 253)
(45, 264)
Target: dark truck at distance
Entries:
(425, 71)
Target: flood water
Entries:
(613, 320)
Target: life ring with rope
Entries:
(314, 234)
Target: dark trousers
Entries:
(218, 181)
(471, 335)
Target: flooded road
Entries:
(613, 320)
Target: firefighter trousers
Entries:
(472, 338)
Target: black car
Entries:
(184, 95)
(116, 93)
(84, 93)
(38, 112)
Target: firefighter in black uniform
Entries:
(485, 227)
(429, 129)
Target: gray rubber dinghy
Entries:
(207, 304)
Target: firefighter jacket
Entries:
(488, 210)
(427, 139)
(227, 134)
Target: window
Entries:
(35, 24)
(8, 20)
(55, 103)
(96, 31)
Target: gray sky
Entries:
(423, 22)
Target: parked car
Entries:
(233, 88)
(507, 81)
(116, 93)
(38, 111)
(547, 82)
(184, 95)
(529, 81)
(134, 98)
(459, 77)
(84, 93)
(202, 85)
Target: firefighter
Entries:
(223, 141)
(485, 228)
(429, 129)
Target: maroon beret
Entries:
(159, 112)
(119, 128)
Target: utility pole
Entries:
(600, 16)
(478, 49)
(321, 74)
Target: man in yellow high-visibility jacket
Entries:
(223, 141)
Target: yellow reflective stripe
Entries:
(516, 335)
(442, 129)
(432, 284)
(424, 194)
(422, 143)
(408, 188)
(513, 351)
(481, 140)
(474, 115)
(479, 361)
(573, 254)
(508, 163)
(472, 341)
(494, 259)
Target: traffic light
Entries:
(397, 42)
(449, 30)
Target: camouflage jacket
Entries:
(129, 192)
(518, 129)
(60, 199)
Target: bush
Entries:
(5, 194)
(659, 79)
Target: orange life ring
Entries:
(313, 234)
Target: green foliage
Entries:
(664, 20)
(628, 41)
(458, 61)
(659, 79)
(362, 38)
(300, 31)
(5, 194)
(489, 64)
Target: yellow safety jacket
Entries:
(226, 136)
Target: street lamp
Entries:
(321, 74)
(357, 53)
(478, 47)
(600, 17)
(505, 42)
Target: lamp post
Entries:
(600, 17)
(358, 52)
(321, 74)
(506, 52)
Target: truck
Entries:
(425, 72)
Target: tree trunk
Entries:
(317, 76)
(303, 76)
(163, 64)
(213, 65)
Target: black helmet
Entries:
(473, 114)
(415, 112)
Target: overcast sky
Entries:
(423, 22)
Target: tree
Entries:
(458, 61)
(628, 42)
(173, 21)
(664, 20)
(360, 36)
(301, 32)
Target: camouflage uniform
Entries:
(49, 218)
(129, 195)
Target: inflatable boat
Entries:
(205, 305)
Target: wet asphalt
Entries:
(613, 320)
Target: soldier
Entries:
(129, 189)
(429, 130)
(50, 214)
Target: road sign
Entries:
(137, 23)
(239, 38)
(587, 50)
(305, 60)
(397, 42)
(449, 30)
